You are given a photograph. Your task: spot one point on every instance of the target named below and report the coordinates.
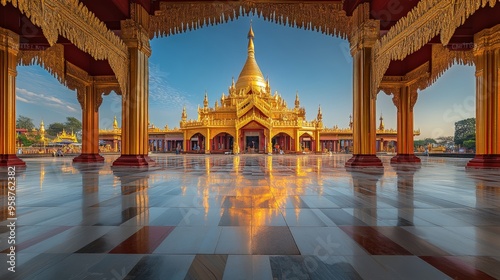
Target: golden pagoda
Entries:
(250, 119)
(41, 131)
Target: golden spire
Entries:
(42, 127)
(297, 101)
(320, 114)
(184, 114)
(381, 126)
(350, 121)
(115, 123)
(205, 100)
(250, 75)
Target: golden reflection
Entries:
(236, 163)
(269, 164)
(42, 175)
(258, 198)
(207, 165)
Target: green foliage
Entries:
(72, 124)
(470, 144)
(24, 122)
(465, 130)
(55, 128)
(24, 140)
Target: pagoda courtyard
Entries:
(254, 217)
(239, 210)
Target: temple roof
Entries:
(250, 75)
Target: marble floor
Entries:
(252, 217)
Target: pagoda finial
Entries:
(320, 114)
(115, 123)
(184, 114)
(205, 100)
(381, 125)
(297, 101)
(350, 121)
(251, 49)
(232, 82)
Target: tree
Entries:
(465, 130)
(55, 128)
(73, 124)
(470, 144)
(24, 140)
(424, 143)
(24, 122)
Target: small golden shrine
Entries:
(65, 138)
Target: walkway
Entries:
(254, 217)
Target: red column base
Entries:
(11, 160)
(364, 161)
(484, 161)
(134, 161)
(405, 158)
(88, 158)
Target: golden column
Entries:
(405, 99)
(90, 99)
(9, 47)
(134, 150)
(208, 141)
(362, 39)
(487, 61)
(269, 140)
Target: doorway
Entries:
(252, 144)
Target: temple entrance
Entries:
(252, 144)
(222, 143)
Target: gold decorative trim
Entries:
(72, 20)
(322, 16)
(428, 19)
(9, 41)
(487, 39)
(443, 59)
(51, 59)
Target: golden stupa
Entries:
(250, 119)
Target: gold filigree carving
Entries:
(365, 31)
(72, 20)
(135, 36)
(443, 59)
(178, 17)
(428, 19)
(51, 59)
(9, 41)
(487, 39)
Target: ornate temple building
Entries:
(250, 118)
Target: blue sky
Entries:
(319, 67)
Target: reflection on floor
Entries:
(253, 217)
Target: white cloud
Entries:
(41, 99)
(23, 99)
(161, 92)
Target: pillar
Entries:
(9, 47)
(405, 100)
(135, 113)
(90, 100)
(487, 61)
(364, 101)
(236, 143)
(208, 142)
